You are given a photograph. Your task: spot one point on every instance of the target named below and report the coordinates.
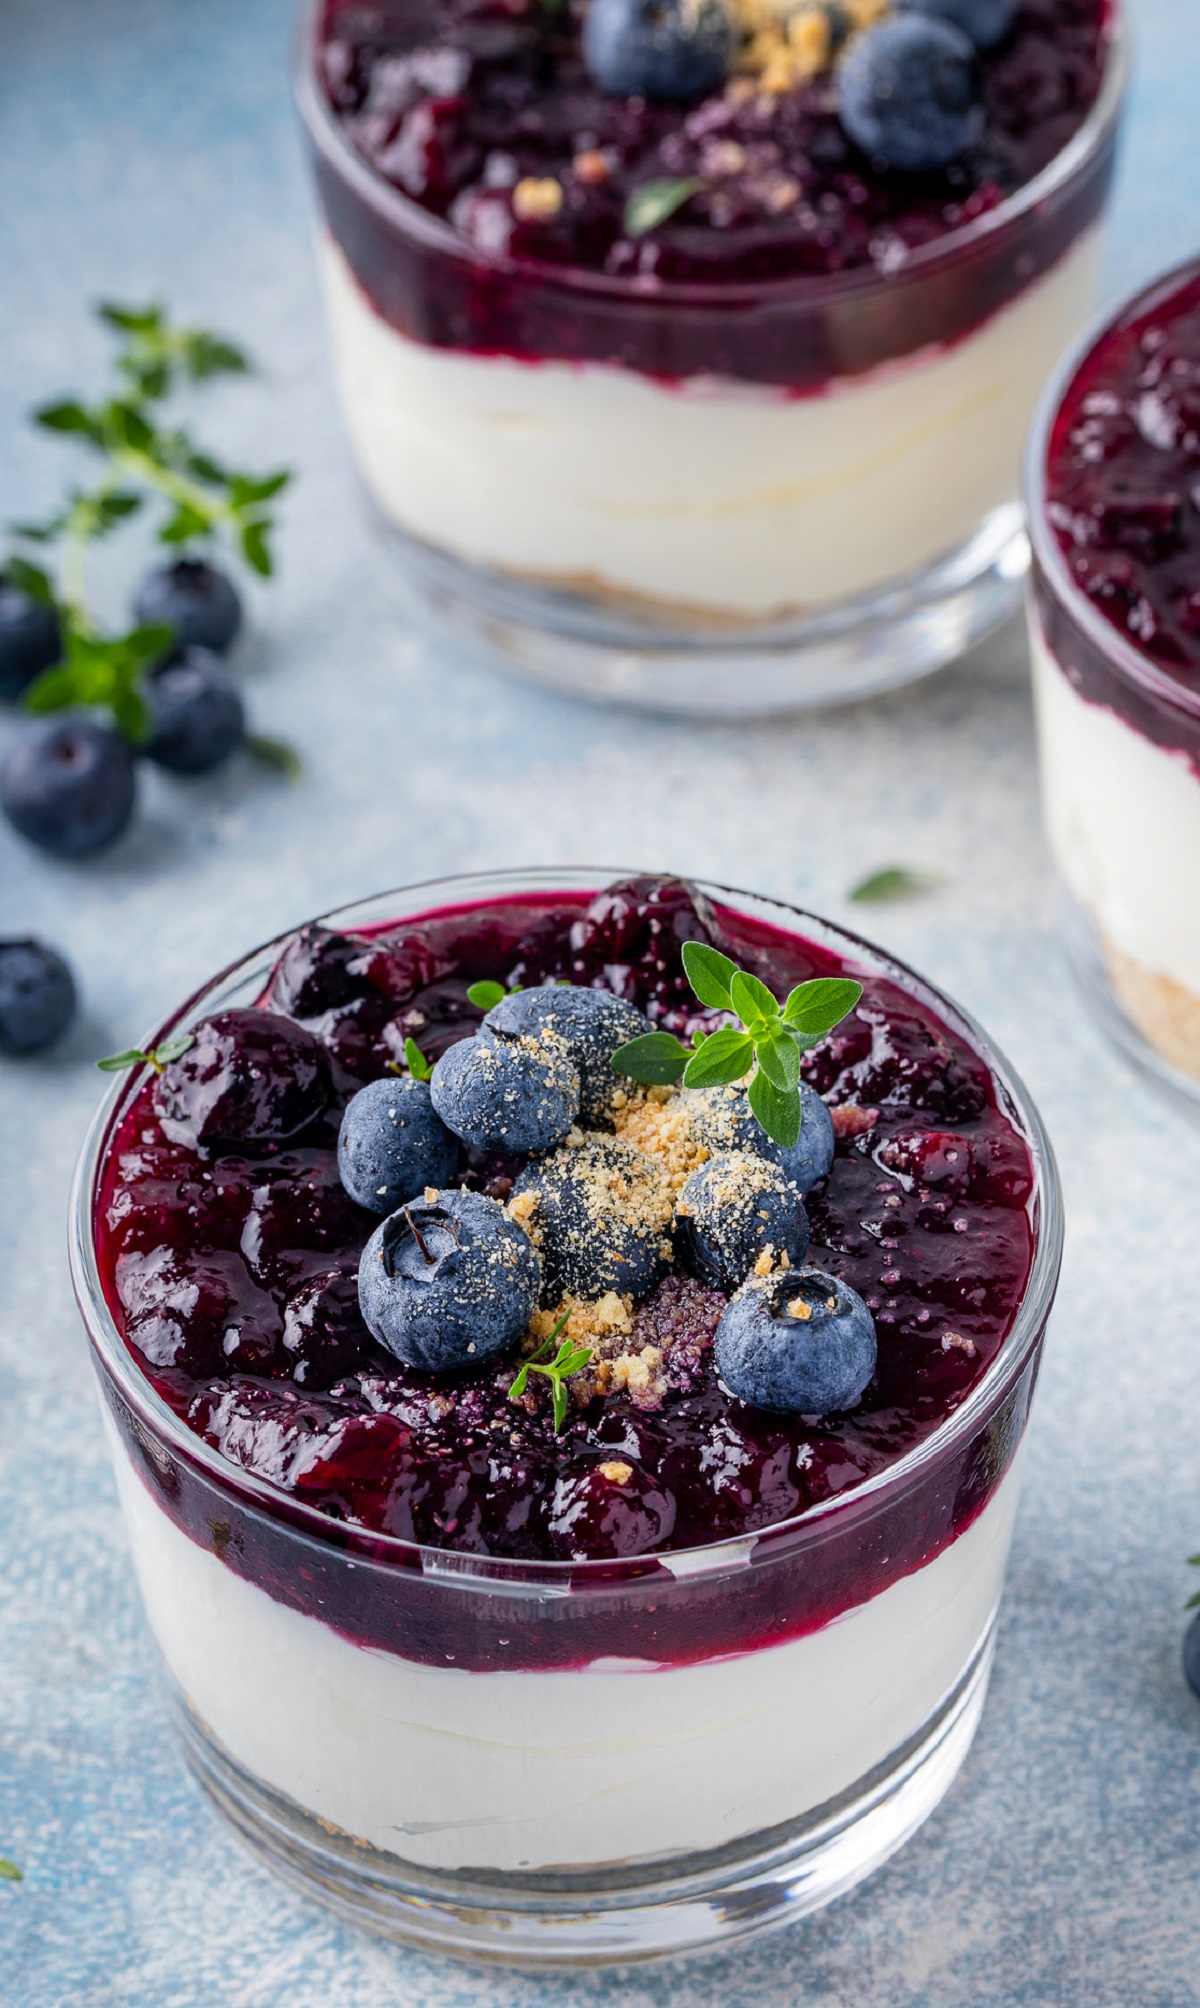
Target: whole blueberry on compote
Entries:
(732, 1210)
(600, 1213)
(37, 996)
(68, 786)
(908, 93)
(448, 1282)
(249, 1077)
(323, 1330)
(193, 598)
(984, 22)
(197, 717)
(609, 1507)
(591, 1023)
(722, 1120)
(393, 1143)
(507, 1093)
(802, 1344)
(667, 49)
(30, 638)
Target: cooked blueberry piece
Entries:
(984, 22)
(1191, 1655)
(722, 1119)
(908, 93)
(802, 1343)
(250, 1077)
(320, 971)
(393, 1143)
(37, 996)
(731, 1211)
(323, 1330)
(507, 1094)
(68, 786)
(608, 1509)
(197, 1309)
(197, 717)
(195, 599)
(669, 49)
(30, 640)
(592, 1023)
(446, 1283)
(600, 1213)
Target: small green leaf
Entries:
(131, 714)
(9, 1870)
(131, 320)
(206, 355)
(656, 1058)
(813, 1009)
(752, 1000)
(275, 753)
(255, 548)
(709, 973)
(779, 1058)
(174, 1048)
(725, 1056)
(655, 201)
(69, 416)
(53, 690)
(893, 882)
(484, 996)
(29, 579)
(157, 1057)
(246, 489)
(779, 1114)
(184, 525)
(418, 1065)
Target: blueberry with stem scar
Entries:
(446, 1283)
(796, 1343)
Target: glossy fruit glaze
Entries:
(1122, 491)
(232, 1273)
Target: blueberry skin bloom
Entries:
(984, 22)
(507, 1094)
(392, 1144)
(721, 1119)
(68, 786)
(666, 49)
(600, 1213)
(197, 717)
(908, 95)
(733, 1209)
(37, 996)
(591, 1023)
(195, 599)
(30, 639)
(447, 1283)
(800, 1344)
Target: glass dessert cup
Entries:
(1119, 741)
(706, 498)
(569, 1763)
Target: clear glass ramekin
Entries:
(1119, 748)
(702, 498)
(702, 1744)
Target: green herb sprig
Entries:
(486, 994)
(566, 1361)
(418, 1066)
(768, 1039)
(1193, 1601)
(655, 201)
(157, 1057)
(894, 882)
(9, 1870)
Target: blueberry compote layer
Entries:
(1123, 499)
(231, 1270)
(457, 103)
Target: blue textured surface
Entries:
(146, 147)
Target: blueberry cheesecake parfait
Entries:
(1114, 498)
(688, 347)
(566, 1349)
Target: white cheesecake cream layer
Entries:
(1123, 821)
(617, 1762)
(707, 499)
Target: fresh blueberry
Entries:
(68, 786)
(448, 1282)
(195, 599)
(908, 93)
(249, 1077)
(196, 715)
(392, 1144)
(507, 1094)
(984, 22)
(323, 1331)
(600, 1213)
(592, 1024)
(668, 49)
(1191, 1655)
(37, 996)
(722, 1120)
(796, 1343)
(30, 640)
(733, 1209)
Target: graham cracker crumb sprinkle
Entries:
(799, 1309)
(658, 1123)
(537, 199)
(616, 1471)
(431, 1194)
(954, 1342)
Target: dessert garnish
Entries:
(908, 94)
(733, 1208)
(801, 1342)
(414, 1059)
(569, 1359)
(158, 1057)
(667, 49)
(448, 1281)
(894, 882)
(770, 1040)
(37, 996)
(592, 1024)
(392, 1144)
(599, 1210)
(502, 1092)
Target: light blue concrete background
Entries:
(147, 148)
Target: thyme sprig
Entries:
(157, 1057)
(568, 1360)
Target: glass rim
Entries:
(114, 1356)
(1131, 662)
(812, 289)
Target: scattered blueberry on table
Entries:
(38, 999)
